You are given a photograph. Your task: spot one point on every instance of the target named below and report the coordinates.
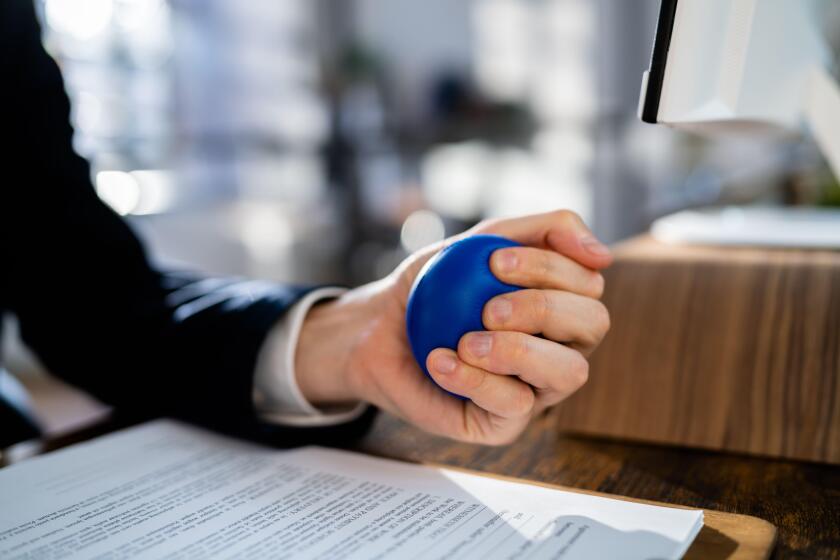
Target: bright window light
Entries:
(119, 190)
(455, 177)
(155, 189)
(420, 229)
(81, 19)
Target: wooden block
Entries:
(723, 348)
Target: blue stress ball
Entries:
(448, 296)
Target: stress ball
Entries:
(449, 294)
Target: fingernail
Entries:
(501, 309)
(507, 261)
(479, 344)
(444, 364)
(594, 246)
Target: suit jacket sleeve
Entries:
(89, 304)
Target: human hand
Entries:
(356, 347)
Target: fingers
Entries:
(554, 370)
(507, 376)
(565, 317)
(503, 396)
(426, 405)
(539, 268)
(562, 231)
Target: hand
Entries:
(356, 347)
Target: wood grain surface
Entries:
(734, 349)
(801, 499)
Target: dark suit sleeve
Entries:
(89, 304)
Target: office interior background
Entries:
(321, 141)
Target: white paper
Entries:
(168, 490)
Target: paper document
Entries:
(169, 490)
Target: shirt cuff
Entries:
(277, 396)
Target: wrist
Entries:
(325, 368)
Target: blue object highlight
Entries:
(449, 294)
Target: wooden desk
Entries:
(801, 499)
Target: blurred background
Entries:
(323, 140)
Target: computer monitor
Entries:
(743, 66)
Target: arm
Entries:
(89, 304)
(98, 315)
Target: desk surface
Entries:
(801, 499)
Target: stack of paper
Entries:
(168, 490)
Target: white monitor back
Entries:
(741, 63)
(743, 66)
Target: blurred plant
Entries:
(830, 192)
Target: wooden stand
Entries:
(720, 348)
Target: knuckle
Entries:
(578, 372)
(487, 225)
(543, 264)
(568, 218)
(522, 402)
(516, 349)
(549, 399)
(493, 432)
(598, 323)
(506, 350)
(542, 307)
(598, 284)
(602, 320)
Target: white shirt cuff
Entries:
(277, 396)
